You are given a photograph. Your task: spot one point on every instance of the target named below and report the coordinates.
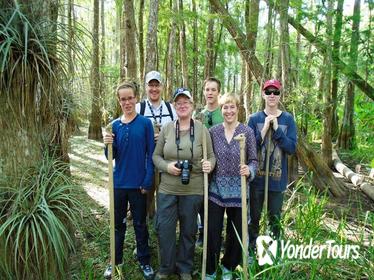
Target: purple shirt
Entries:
(225, 186)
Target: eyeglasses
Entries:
(210, 118)
(130, 98)
(269, 92)
(180, 104)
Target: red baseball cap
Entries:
(272, 83)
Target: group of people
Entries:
(157, 136)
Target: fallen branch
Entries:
(368, 190)
(355, 178)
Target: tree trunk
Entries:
(33, 119)
(195, 56)
(335, 69)
(151, 44)
(130, 41)
(122, 47)
(209, 56)
(269, 43)
(285, 50)
(170, 65)
(322, 175)
(141, 40)
(347, 131)
(103, 61)
(70, 36)
(94, 129)
(182, 44)
(326, 137)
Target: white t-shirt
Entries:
(165, 118)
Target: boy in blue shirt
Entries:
(283, 143)
(133, 145)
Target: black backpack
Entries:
(142, 109)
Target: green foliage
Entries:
(38, 218)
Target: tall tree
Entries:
(327, 100)
(94, 129)
(170, 59)
(347, 131)
(151, 61)
(209, 56)
(195, 56)
(285, 48)
(269, 43)
(70, 36)
(141, 39)
(335, 69)
(130, 40)
(182, 44)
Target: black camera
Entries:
(186, 168)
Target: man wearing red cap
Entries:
(283, 143)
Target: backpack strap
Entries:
(170, 110)
(142, 108)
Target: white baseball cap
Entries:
(153, 75)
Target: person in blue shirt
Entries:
(283, 143)
(133, 145)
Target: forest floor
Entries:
(89, 170)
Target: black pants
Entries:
(233, 250)
(138, 208)
(275, 201)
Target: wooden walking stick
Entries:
(241, 139)
(111, 203)
(266, 191)
(205, 233)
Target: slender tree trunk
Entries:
(269, 43)
(94, 129)
(326, 137)
(70, 35)
(141, 39)
(122, 48)
(102, 60)
(285, 50)
(209, 56)
(347, 131)
(151, 45)
(130, 40)
(170, 65)
(216, 49)
(182, 44)
(335, 70)
(195, 55)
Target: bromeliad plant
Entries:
(38, 220)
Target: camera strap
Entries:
(178, 140)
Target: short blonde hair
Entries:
(228, 98)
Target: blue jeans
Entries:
(138, 208)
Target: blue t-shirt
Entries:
(283, 143)
(133, 147)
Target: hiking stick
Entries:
(111, 203)
(241, 139)
(267, 163)
(205, 234)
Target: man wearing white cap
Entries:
(159, 111)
